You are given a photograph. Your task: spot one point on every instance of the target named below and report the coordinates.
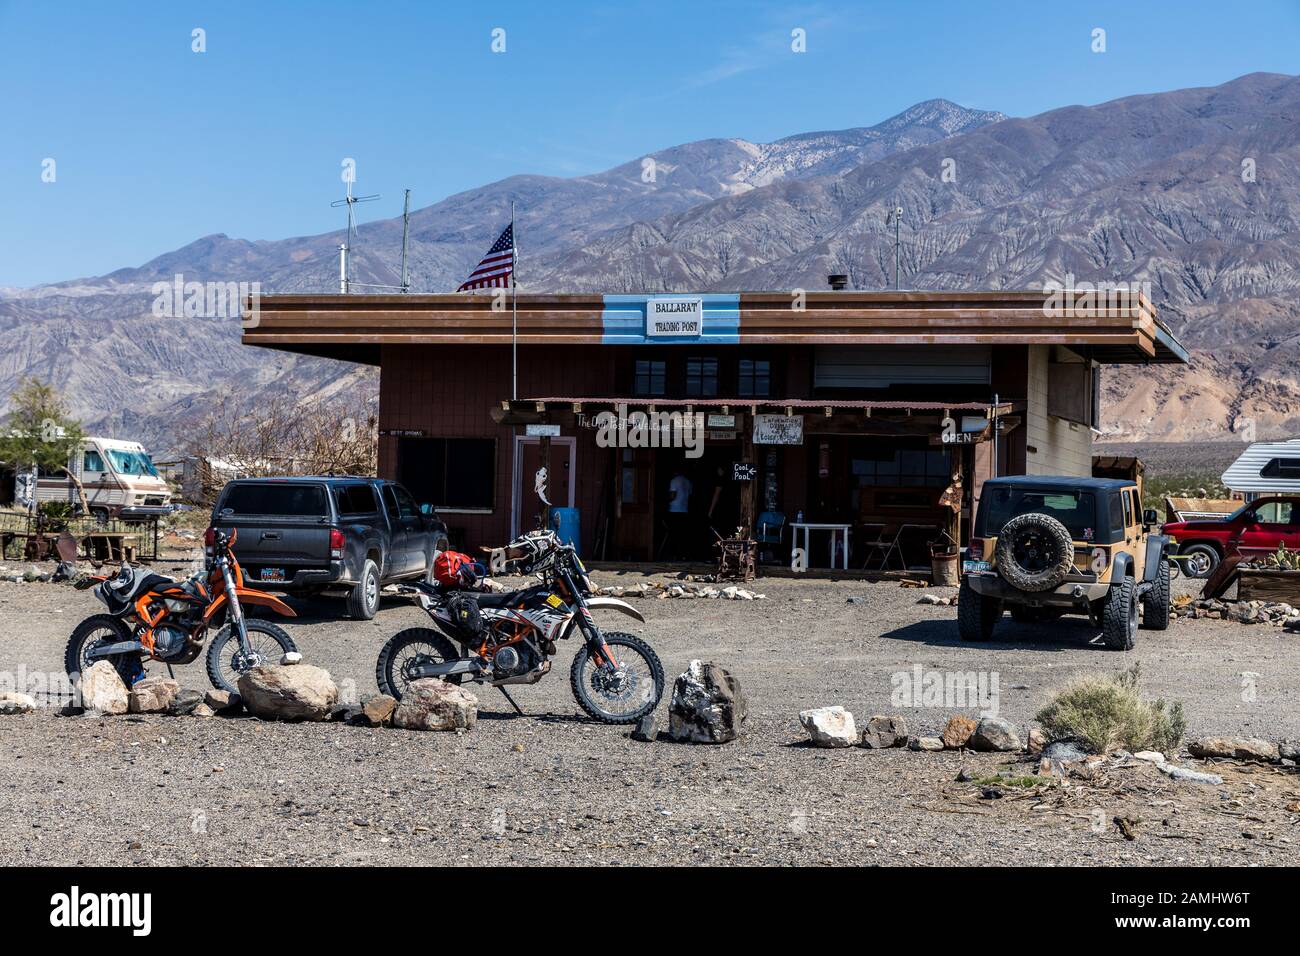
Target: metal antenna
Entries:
(345, 265)
(406, 231)
(895, 216)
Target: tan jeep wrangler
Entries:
(1047, 546)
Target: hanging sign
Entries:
(542, 431)
(778, 429)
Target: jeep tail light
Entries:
(336, 544)
(976, 548)
(209, 539)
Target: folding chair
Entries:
(884, 545)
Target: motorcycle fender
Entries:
(249, 596)
(603, 604)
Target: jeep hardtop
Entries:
(1043, 546)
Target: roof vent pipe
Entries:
(838, 281)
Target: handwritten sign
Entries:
(778, 429)
(743, 471)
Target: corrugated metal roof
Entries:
(1244, 473)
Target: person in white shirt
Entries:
(679, 506)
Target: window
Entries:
(1116, 512)
(1281, 468)
(355, 500)
(1274, 512)
(931, 468)
(1076, 510)
(448, 473)
(131, 462)
(281, 500)
(755, 378)
(92, 461)
(649, 378)
(701, 377)
(1128, 508)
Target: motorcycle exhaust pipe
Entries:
(122, 647)
(447, 668)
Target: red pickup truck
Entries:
(1258, 526)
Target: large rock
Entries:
(707, 706)
(431, 703)
(296, 692)
(882, 733)
(12, 702)
(152, 695)
(102, 689)
(959, 732)
(829, 726)
(925, 743)
(995, 734)
(1238, 748)
(221, 700)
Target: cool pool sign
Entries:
(666, 317)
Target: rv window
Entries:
(1281, 468)
(131, 462)
(92, 462)
(294, 501)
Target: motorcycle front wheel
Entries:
(226, 660)
(626, 694)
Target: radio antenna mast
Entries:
(345, 264)
(406, 231)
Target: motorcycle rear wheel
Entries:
(639, 685)
(405, 648)
(225, 661)
(101, 629)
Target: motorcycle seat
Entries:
(121, 592)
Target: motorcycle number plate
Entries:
(976, 567)
(272, 574)
(554, 600)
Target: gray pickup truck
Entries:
(311, 535)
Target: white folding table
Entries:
(807, 527)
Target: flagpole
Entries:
(514, 309)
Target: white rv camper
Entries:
(119, 479)
(1266, 468)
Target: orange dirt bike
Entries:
(509, 638)
(156, 618)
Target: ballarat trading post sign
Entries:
(778, 429)
(668, 317)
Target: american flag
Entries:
(494, 269)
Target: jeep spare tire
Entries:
(1035, 552)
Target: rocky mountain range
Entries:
(1193, 192)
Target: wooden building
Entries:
(851, 408)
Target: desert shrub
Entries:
(1106, 713)
(55, 515)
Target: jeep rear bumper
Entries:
(1069, 594)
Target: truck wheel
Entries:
(977, 615)
(1119, 616)
(363, 600)
(1201, 560)
(1155, 603)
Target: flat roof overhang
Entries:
(1111, 327)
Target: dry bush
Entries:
(1106, 713)
(309, 438)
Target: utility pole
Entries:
(896, 216)
(406, 231)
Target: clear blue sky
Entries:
(156, 145)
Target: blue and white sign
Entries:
(684, 319)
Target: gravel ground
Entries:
(552, 787)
